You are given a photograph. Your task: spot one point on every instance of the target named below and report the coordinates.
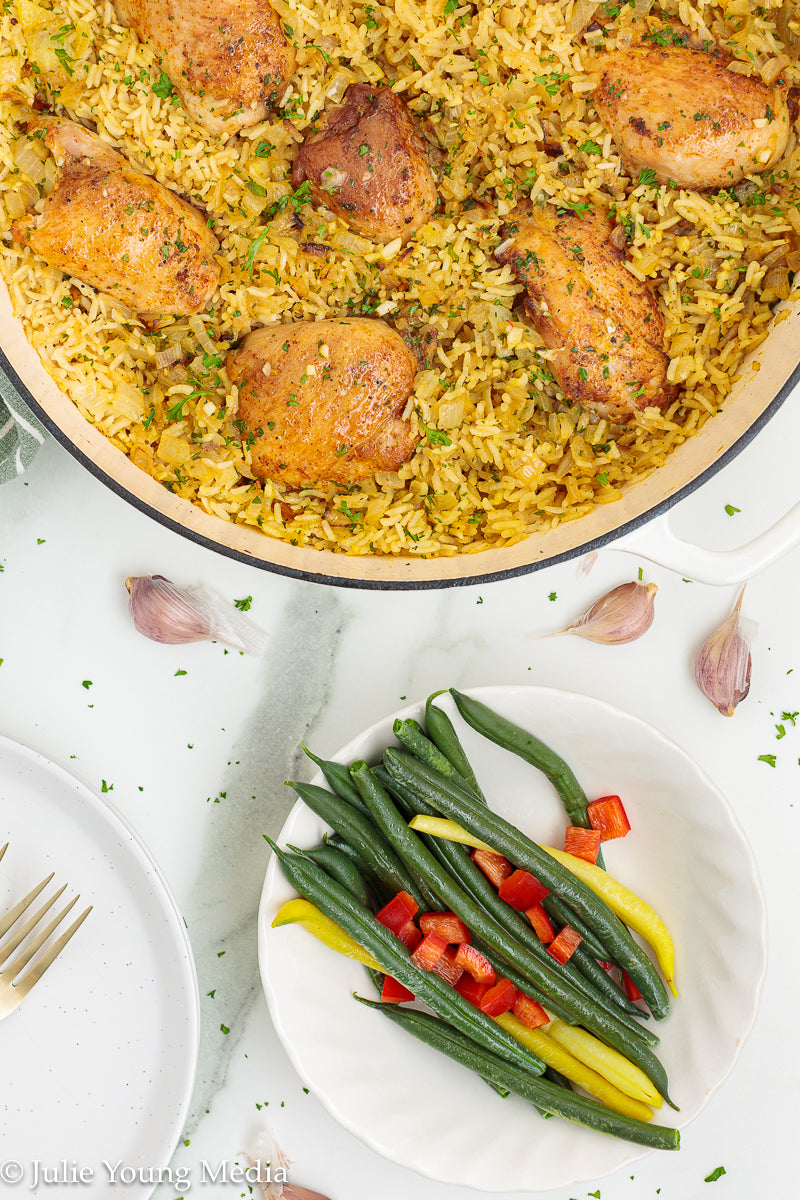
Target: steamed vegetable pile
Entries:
(522, 955)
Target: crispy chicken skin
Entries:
(323, 400)
(680, 112)
(366, 161)
(229, 60)
(603, 325)
(119, 230)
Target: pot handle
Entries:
(656, 542)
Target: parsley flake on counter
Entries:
(40, 541)
(787, 716)
(730, 509)
(780, 731)
(244, 604)
(180, 671)
(224, 1029)
(716, 1174)
(553, 596)
(107, 787)
(87, 683)
(767, 758)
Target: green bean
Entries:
(442, 732)
(337, 864)
(381, 893)
(512, 737)
(562, 914)
(342, 907)
(361, 833)
(461, 806)
(338, 778)
(410, 734)
(608, 1026)
(591, 970)
(542, 1093)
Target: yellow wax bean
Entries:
(609, 1063)
(451, 831)
(302, 912)
(629, 907)
(539, 1041)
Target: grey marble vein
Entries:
(222, 909)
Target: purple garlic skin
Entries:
(174, 616)
(622, 615)
(723, 664)
(165, 613)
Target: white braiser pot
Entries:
(768, 378)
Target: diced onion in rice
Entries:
(172, 354)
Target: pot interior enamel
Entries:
(765, 381)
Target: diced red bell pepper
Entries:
(499, 998)
(410, 936)
(447, 967)
(583, 843)
(564, 944)
(447, 924)
(494, 866)
(393, 992)
(541, 923)
(522, 890)
(475, 964)
(471, 989)
(429, 951)
(607, 815)
(401, 909)
(629, 987)
(529, 1012)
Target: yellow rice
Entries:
(502, 455)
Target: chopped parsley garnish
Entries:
(770, 760)
(716, 1174)
(244, 604)
(730, 510)
(162, 86)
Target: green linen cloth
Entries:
(21, 435)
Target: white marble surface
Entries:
(197, 763)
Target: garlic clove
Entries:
(723, 663)
(271, 1170)
(175, 616)
(622, 615)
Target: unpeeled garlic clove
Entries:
(622, 615)
(175, 616)
(271, 1168)
(723, 663)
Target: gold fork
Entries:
(13, 990)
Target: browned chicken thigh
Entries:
(119, 230)
(681, 113)
(366, 161)
(229, 59)
(602, 324)
(324, 400)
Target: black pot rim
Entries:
(400, 584)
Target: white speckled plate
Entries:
(686, 855)
(98, 1062)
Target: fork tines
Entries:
(29, 938)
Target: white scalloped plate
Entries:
(686, 854)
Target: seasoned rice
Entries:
(504, 90)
